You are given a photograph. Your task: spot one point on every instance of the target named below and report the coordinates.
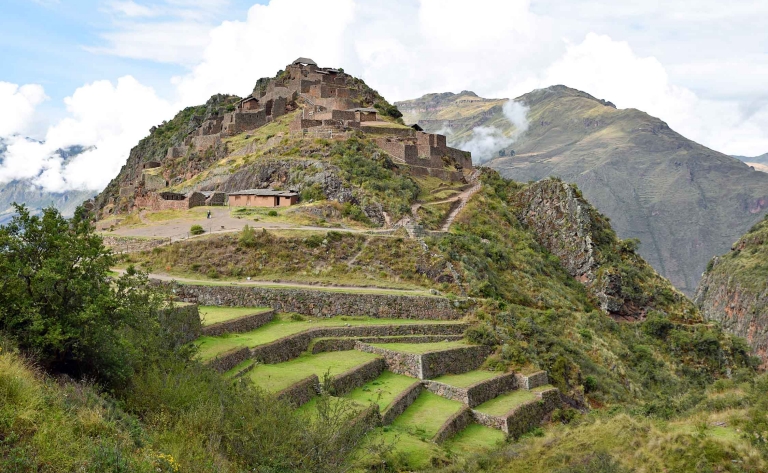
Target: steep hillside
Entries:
(734, 289)
(684, 202)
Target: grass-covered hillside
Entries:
(734, 289)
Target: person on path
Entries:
(209, 214)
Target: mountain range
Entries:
(685, 202)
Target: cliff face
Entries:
(734, 290)
(621, 282)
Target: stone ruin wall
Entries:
(240, 324)
(153, 201)
(229, 359)
(292, 346)
(478, 393)
(302, 392)
(401, 403)
(453, 361)
(324, 303)
(324, 345)
(356, 377)
(455, 424)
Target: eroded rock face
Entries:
(734, 290)
(570, 228)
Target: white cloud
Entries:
(487, 141)
(108, 119)
(18, 105)
(241, 52)
(403, 48)
(611, 70)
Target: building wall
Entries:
(152, 201)
(251, 201)
(196, 199)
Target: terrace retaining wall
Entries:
(430, 365)
(456, 423)
(242, 324)
(477, 393)
(401, 403)
(356, 377)
(524, 417)
(344, 344)
(453, 361)
(323, 303)
(302, 392)
(229, 359)
(533, 380)
(290, 347)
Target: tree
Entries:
(60, 304)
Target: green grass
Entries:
(467, 379)
(427, 414)
(213, 314)
(281, 375)
(506, 402)
(475, 438)
(283, 326)
(383, 390)
(419, 348)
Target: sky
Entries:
(100, 73)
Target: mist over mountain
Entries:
(685, 203)
(35, 197)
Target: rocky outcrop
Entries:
(622, 284)
(734, 290)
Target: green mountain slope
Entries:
(734, 290)
(683, 201)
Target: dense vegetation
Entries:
(115, 391)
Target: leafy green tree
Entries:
(59, 303)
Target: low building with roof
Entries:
(263, 198)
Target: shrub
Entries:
(272, 213)
(247, 237)
(196, 230)
(482, 335)
(590, 384)
(59, 302)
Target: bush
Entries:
(272, 213)
(247, 237)
(482, 335)
(196, 230)
(59, 302)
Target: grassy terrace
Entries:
(412, 431)
(427, 413)
(467, 379)
(506, 402)
(213, 314)
(475, 438)
(383, 390)
(283, 326)
(281, 375)
(419, 348)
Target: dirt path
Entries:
(464, 197)
(315, 287)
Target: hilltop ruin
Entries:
(327, 103)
